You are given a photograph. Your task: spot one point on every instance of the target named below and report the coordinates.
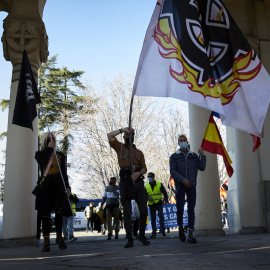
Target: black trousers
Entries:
(138, 193)
(51, 198)
(91, 221)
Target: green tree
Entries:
(59, 91)
(4, 103)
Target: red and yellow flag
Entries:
(212, 142)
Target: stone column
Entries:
(247, 169)
(23, 29)
(208, 209)
(262, 9)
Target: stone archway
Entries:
(24, 29)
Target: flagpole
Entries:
(130, 143)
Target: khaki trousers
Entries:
(112, 212)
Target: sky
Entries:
(101, 38)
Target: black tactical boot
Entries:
(144, 240)
(182, 235)
(46, 245)
(61, 243)
(129, 243)
(191, 239)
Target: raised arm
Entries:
(111, 136)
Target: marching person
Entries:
(111, 197)
(184, 166)
(155, 191)
(52, 190)
(131, 185)
(88, 214)
(69, 213)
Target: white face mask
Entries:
(183, 145)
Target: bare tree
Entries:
(157, 127)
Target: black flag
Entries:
(27, 96)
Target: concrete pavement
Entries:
(93, 251)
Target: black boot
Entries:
(129, 243)
(144, 240)
(191, 239)
(61, 243)
(182, 236)
(46, 245)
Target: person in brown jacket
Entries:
(131, 185)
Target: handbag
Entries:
(38, 186)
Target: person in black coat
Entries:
(51, 195)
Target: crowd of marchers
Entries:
(123, 205)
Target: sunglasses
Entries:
(132, 133)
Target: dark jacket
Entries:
(43, 158)
(66, 209)
(182, 167)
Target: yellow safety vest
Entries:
(73, 207)
(155, 193)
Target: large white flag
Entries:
(194, 51)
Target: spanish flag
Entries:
(212, 142)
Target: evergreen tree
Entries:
(59, 90)
(60, 99)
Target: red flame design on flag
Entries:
(169, 48)
(219, 16)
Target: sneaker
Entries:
(153, 236)
(129, 243)
(109, 237)
(92, 232)
(144, 240)
(182, 235)
(72, 239)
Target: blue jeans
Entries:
(68, 227)
(180, 202)
(153, 210)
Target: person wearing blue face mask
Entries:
(184, 166)
(155, 191)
